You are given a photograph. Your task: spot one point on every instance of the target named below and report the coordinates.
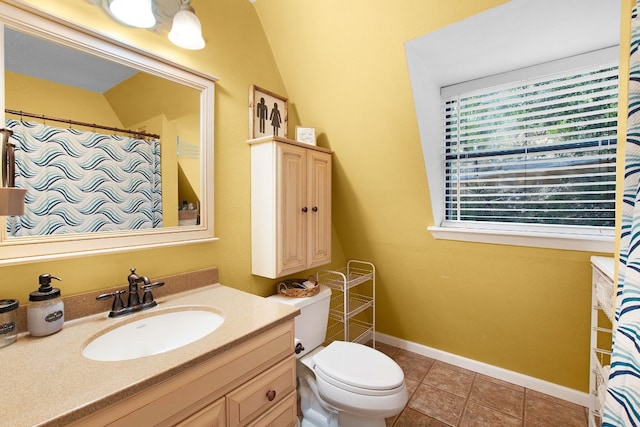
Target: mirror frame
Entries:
(40, 248)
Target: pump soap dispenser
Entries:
(45, 313)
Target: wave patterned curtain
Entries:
(82, 182)
(622, 404)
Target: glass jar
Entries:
(8, 327)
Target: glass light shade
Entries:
(137, 13)
(186, 31)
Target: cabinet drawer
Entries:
(210, 416)
(261, 393)
(281, 415)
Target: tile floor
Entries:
(442, 395)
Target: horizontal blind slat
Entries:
(540, 151)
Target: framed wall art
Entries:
(268, 113)
(306, 135)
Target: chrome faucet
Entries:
(133, 302)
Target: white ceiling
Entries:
(42, 59)
(517, 34)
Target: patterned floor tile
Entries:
(438, 404)
(480, 416)
(453, 381)
(387, 349)
(444, 395)
(411, 418)
(413, 365)
(544, 412)
(500, 382)
(498, 397)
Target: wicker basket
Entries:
(291, 288)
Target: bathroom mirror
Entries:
(65, 81)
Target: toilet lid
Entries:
(358, 366)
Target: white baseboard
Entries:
(532, 383)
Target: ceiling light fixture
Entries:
(158, 16)
(186, 31)
(137, 13)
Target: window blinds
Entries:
(539, 151)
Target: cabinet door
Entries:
(210, 416)
(291, 202)
(319, 214)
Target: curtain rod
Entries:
(75, 122)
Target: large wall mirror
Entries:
(114, 146)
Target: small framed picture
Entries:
(268, 113)
(306, 135)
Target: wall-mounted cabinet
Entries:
(290, 206)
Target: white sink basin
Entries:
(151, 335)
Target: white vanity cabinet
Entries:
(290, 206)
(251, 384)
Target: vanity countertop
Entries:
(47, 380)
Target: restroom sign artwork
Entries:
(268, 113)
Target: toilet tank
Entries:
(311, 323)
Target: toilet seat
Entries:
(358, 380)
(358, 369)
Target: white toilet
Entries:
(344, 384)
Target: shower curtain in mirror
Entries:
(82, 182)
(622, 404)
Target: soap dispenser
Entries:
(45, 313)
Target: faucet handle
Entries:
(147, 297)
(118, 304)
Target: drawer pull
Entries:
(271, 394)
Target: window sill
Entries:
(575, 242)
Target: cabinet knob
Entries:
(271, 394)
(315, 209)
(304, 209)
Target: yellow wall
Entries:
(342, 65)
(143, 95)
(38, 96)
(238, 53)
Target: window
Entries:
(508, 41)
(539, 151)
